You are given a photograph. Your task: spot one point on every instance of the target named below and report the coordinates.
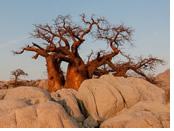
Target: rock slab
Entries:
(29, 94)
(145, 114)
(108, 95)
(44, 115)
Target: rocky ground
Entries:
(163, 81)
(107, 102)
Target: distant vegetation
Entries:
(17, 73)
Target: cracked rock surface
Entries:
(145, 114)
(29, 94)
(163, 80)
(67, 98)
(29, 107)
(105, 102)
(108, 95)
(44, 115)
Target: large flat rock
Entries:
(108, 95)
(29, 94)
(145, 114)
(44, 115)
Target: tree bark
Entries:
(75, 77)
(121, 73)
(55, 75)
(15, 81)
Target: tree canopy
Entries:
(62, 41)
(17, 73)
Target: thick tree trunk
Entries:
(55, 75)
(15, 81)
(75, 77)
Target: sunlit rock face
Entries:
(43, 84)
(145, 114)
(32, 107)
(105, 102)
(163, 81)
(29, 94)
(108, 95)
(67, 98)
(44, 115)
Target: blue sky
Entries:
(149, 18)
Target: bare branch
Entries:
(140, 67)
(36, 45)
(35, 56)
(89, 56)
(30, 48)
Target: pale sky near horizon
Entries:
(149, 18)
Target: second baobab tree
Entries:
(17, 73)
(62, 41)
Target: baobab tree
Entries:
(62, 41)
(17, 73)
